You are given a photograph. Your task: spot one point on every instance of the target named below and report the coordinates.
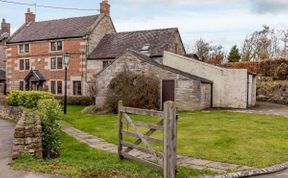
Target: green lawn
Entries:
(245, 139)
(79, 160)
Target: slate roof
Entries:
(2, 75)
(145, 58)
(115, 44)
(54, 29)
(37, 74)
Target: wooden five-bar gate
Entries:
(166, 161)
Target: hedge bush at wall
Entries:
(77, 100)
(50, 113)
(27, 99)
(276, 68)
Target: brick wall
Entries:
(40, 57)
(187, 92)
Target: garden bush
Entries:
(281, 72)
(27, 99)
(134, 90)
(275, 68)
(50, 113)
(77, 100)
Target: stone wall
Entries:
(187, 92)
(10, 112)
(27, 136)
(229, 85)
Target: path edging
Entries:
(256, 172)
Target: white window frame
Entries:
(24, 59)
(56, 87)
(56, 57)
(50, 46)
(80, 88)
(29, 46)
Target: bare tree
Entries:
(202, 48)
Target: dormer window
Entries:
(145, 49)
(56, 46)
(24, 48)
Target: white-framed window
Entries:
(77, 89)
(56, 63)
(56, 87)
(24, 48)
(24, 64)
(56, 46)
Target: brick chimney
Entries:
(5, 27)
(105, 7)
(29, 16)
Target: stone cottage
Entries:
(37, 49)
(151, 42)
(4, 35)
(188, 91)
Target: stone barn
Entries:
(188, 91)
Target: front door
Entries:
(168, 90)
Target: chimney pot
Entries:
(105, 7)
(5, 27)
(29, 16)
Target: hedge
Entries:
(275, 68)
(50, 112)
(27, 99)
(77, 100)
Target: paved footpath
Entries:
(184, 161)
(6, 140)
(266, 108)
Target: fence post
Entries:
(170, 129)
(120, 127)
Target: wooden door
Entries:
(168, 90)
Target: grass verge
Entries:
(239, 138)
(79, 160)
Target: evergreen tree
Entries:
(234, 55)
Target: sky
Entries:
(221, 22)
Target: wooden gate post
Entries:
(170, 137)
(120, 127)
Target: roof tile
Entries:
(115, 44)
(54, 29)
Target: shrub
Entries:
(134, 90)
(77, 100)
(27, 99)
(50, 112)
(281, 72)
(275, 68)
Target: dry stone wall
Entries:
(27, 135)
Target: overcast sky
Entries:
(225, 22)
